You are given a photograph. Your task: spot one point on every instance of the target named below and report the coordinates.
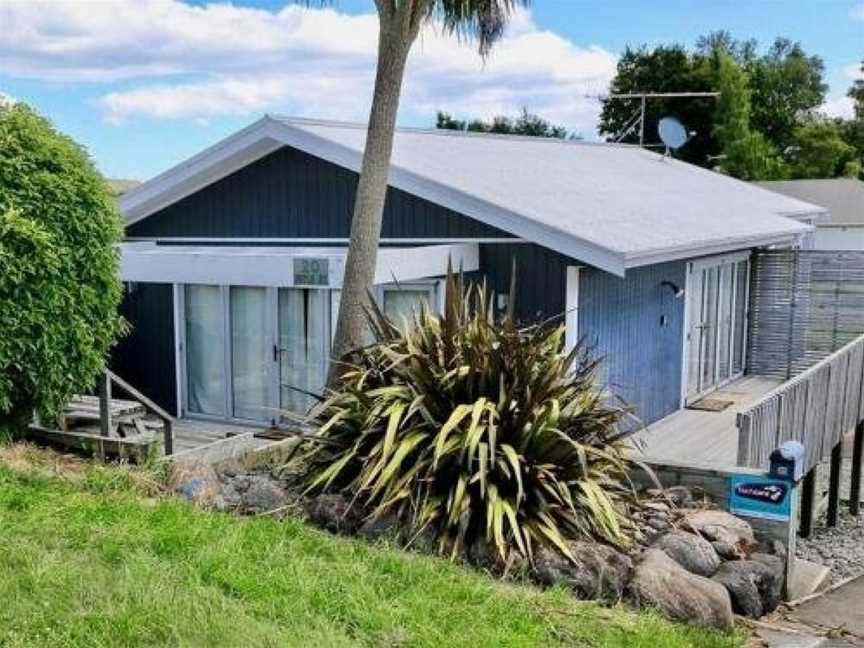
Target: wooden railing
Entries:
(817, 408)
(105, 382)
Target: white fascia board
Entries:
(244, 147)
(257, 266)
(680, 253)
(408, 264)
(147, 263)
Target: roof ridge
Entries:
(445, 132)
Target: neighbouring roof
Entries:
(612, 206)
(842, 197)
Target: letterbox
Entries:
(787, 461)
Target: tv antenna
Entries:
(638, 118)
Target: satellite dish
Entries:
(672, 133)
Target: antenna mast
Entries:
(639, 116)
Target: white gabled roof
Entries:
(611, 206)
(843, 198)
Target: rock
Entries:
(727, 551)
(262, 495)
(197, 483)
(374, 528)
(598, 572)
(752, 585)
(659, 582)
(333, 512)
(658, 523)
(772, 590)
(720, 526)
(228, 499)
(693, 553)
(680, 496)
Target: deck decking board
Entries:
(704, 438)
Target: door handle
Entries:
(277, 352)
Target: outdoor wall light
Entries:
(677, 290)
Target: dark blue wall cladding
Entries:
(541, 276)
(290, 194)
(145, 357)
(637, 326)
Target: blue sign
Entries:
(760, 497)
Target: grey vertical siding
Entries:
(290, 194)
(145, 357)
(624, 319)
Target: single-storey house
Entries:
(233, 259)
(842, 198)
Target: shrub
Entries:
(476, 430)
(59, 286)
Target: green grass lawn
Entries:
(89, 556)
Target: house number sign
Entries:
(311, 272)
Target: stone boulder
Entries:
(598, 572)
(720, 526)
(195, 482)
(772, 591)
(693, 553)
(333, 512)
(262, 494)
(659, 582)
(753, 586)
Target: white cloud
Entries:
(857, 12)
(177, 61)
(842, 107)
(853, 71)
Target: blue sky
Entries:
(144, 93)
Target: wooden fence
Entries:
(816, 407)
(804, 306)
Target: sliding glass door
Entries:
(717, 313)
(205, 351)
(304, 346)
(249, 352)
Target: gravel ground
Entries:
(841, 548)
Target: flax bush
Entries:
(471, 428)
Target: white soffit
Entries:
(275, 266)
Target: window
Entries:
(401, 302)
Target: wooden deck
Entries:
(699, 438)
(194, 433)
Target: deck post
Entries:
(855, 489)
(834, 484)
(104, 410)
(808, 496)
(169, 437)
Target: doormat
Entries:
(710, 405)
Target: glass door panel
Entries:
(205, 350)
(724, 331)
(304, 346)
(694, 332)
(711, 289)
(741, 291)
(251, 353)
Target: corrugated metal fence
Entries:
(806, 325)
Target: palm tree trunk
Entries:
(394, 44)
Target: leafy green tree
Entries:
(856, 93)
(525, 124)
(745, 154)
(59, 284)
(783, 84)
(820, 151)
(786, 84)
(662, 69)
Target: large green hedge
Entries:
(59, 283)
